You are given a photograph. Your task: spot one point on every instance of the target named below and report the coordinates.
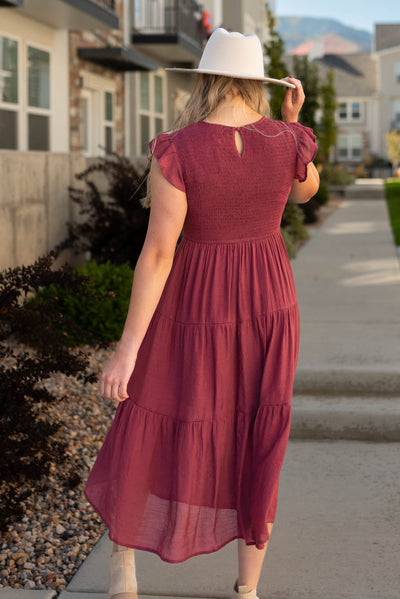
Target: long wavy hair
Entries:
(207, 93)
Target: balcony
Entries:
(11, 3)
(395, 124)
(68, 14)
(169, 30)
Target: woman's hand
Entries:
(116, 374)
(294, 100)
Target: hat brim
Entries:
(234, 75)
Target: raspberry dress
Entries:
(193, 457)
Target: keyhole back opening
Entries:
(239, 142)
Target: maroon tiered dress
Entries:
(193, 457)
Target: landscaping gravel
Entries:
(60, 528)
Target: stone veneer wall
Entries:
(98, 39)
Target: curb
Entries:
(361, 382)
(344, 418)
(27, 593)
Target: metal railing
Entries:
(169, 16)
(106, 3)
(395, 125)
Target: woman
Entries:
(205, 365)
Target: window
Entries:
(350, 147)
(154, 15)
(97, 130)
(397, 69)
(151, 108)
(108, 121)
(86, 133)
(24, 107)
(356, 146)
(350, 111)
(355, 110)
(395, 108)
(9, 96)
(342, 111)
(38, 72)
(342, 146)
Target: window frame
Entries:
(348, 114)
(397, 72)
(350, 147)
(109, 124)
(16, 106)
(22, 108)
(151, 113)
(395, 112)
(95, 87)
(34, 110)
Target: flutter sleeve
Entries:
(163, 148)
(306, 149)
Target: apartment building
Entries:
(79, 78)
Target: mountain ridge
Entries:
(306, 31)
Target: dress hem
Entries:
(170, 561)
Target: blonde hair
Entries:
(207, 93)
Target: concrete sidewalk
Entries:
(336, 535)
(348, 285)
(338, 522)
(347, 277)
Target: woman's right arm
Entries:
(167, 215)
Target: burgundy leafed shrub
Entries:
(28, 443)
(114, 223)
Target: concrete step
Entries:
(365, 192)
(342, 380)
(340, 417)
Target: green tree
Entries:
(307, 72)
(393, 148)
(327, 128)
(275, 50)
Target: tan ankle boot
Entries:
(241, 592)
(122, 575)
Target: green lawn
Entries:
(393, 200)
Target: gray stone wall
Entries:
(34, 203)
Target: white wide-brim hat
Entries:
(233, 55)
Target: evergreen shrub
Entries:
(98, 314)
(292, 227)
(335, 174)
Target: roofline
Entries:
(386, 51)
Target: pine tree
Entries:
(274, 50)
(326, 128)
(307, 72)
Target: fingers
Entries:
(113, 388)
(297, 95)
(293, 100)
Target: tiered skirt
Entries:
(193, 457)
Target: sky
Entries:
(361, 14)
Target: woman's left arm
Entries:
(304, 191)
(167, 215)
(291, 106)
